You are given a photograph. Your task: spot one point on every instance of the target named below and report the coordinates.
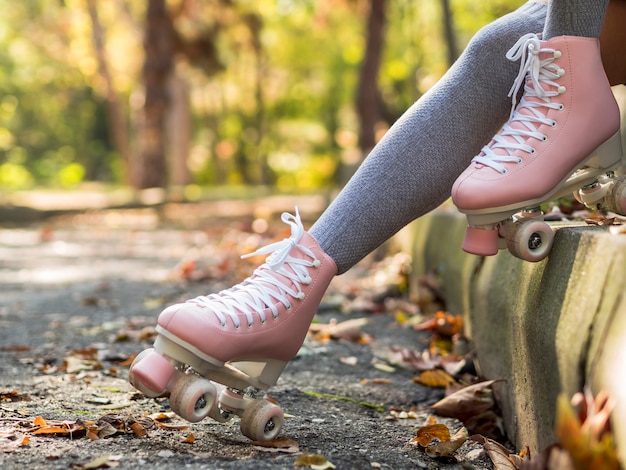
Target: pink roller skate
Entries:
(218, 354)
(562, 137)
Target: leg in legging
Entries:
(413, 167)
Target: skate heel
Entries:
(608, 154)
(266, 372)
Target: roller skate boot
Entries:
(217, 355)
(562, 137)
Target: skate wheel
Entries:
(530, 240)
(262, 420)
(594, 195)
(577, 197)
(616, 199)
(192, 398)
(150, 373)
(481, 241)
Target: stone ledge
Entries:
(546, 328)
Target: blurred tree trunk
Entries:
(449, 33)
(255, 25)
(159, 46)
(369, 100)
(117, 126)
(178, 122)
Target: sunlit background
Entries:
(188, 95)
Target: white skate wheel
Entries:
(192, 397)
(262, 421)
(150, 373)
(616, 199)
(530, 240)
(481, 241)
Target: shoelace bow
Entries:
(263, 288)
(533, 73)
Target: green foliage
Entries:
(275, 106)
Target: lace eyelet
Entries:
(519, 161)
(557, 54)
(276, 317)
(544, 138)
(561, 107)
(553, 124)
(504, 171)
(562, 89)
(249, 325)
(316, 263)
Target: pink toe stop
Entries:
(481, 241)
(154, 372)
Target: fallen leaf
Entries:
(426, 434)
(587, 435)
(499, 455)
(172, 427)
(281, 444)
(377, 381)
(106, 461)
(39, 421)
(190, 439)
(348, 330)
(443, 323)
(138, 429)
(446, 448)
(467, 402)
(435, 378)
(315, 461)
(13, 396)
(15, 348)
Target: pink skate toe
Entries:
(481, 241)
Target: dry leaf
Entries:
(190, 439)
(426, 434)
(444, 324)
(499, 455)
(315, 461)
(467, 402)
(587, 435)
(377, 381)
(443, 449)
(172, 427)
(106, 461)
(435, 378)
(348, 330)
(39, 421)
(281, 444)
(138, 429)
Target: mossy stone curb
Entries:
(546, 328)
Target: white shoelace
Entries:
(534, 72)
(263, 289)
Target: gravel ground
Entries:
(92, 285)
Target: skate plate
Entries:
(520, 227)
(201, 387)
